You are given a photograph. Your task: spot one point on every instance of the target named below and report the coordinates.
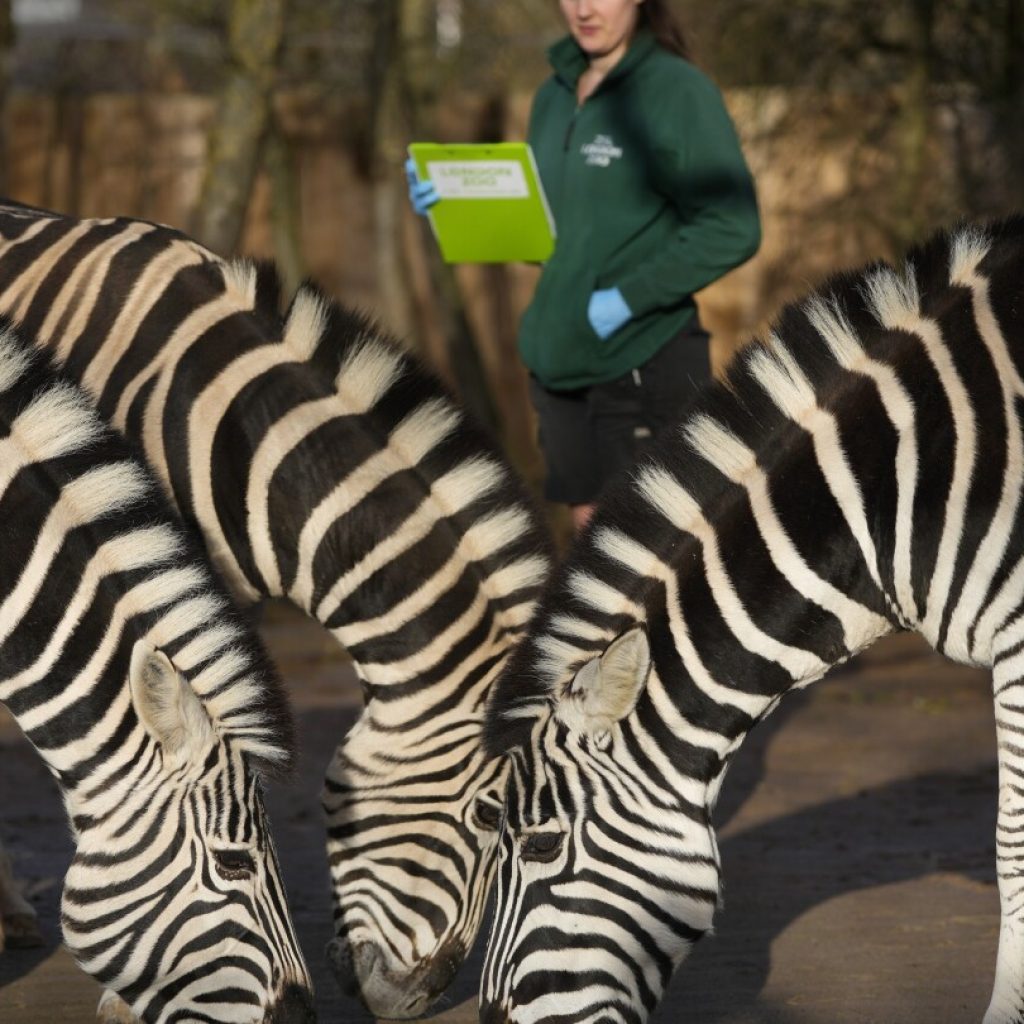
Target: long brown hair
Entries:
(658, 17)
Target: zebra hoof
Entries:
(21, 931)
(114, 1010)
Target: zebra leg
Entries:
(19, 926)
(1007, 1004)
(114, 1010)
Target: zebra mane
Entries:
(410, 412)
(191, 618)
(389, 388)
(256, 283)
(606, 584)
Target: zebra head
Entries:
(605, 878)
(174, 898)
(413, 834)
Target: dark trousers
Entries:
(590, 434)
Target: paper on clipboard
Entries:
(493, 208)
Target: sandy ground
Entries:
(856, 831)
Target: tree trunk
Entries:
(911, 216)
(387, 136)
(254, 38)
(400, 86)
(1012, 99)
(284, 212)
(6, 49)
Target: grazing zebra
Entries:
(322, 465)
(126, 668)
(859, 472)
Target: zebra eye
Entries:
(486, 815)
(234, 865)
(542, 846)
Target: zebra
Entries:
(322, 465)
(127, 669)
(858, 472)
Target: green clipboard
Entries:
(493, 208)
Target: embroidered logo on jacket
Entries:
(601, 152)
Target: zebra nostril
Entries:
(339, 956)
(443, 968)
(365, 956)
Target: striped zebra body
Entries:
(322, 465)
(858, 473)
(126, 667)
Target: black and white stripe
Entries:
(325, 466)
(127, 669)
(859, 472)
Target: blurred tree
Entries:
(284, 210)
(913, 88)
(6, 48)
(244, 117)
(868, 121)
(388, 129)
(402, 91)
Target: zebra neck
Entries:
(736, 615)
(747, 616)
(447, 666)
(384, 525)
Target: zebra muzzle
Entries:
(362, 971)
(353, 965)
(443, 967)
(294, 1006)
(492, 1013)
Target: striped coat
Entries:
(860, 471)
(127, 669)
(322, 465)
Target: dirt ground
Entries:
(856, 831)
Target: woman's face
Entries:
(601, 27)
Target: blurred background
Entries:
(278, 128)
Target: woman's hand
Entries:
(607, 312)
(422, 191)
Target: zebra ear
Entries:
(167, 706)
(606, 689)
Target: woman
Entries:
(652, 201)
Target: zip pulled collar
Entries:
(569, 61)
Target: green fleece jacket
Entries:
(650, 194)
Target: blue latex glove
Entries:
(607, 312)
(422, 191)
